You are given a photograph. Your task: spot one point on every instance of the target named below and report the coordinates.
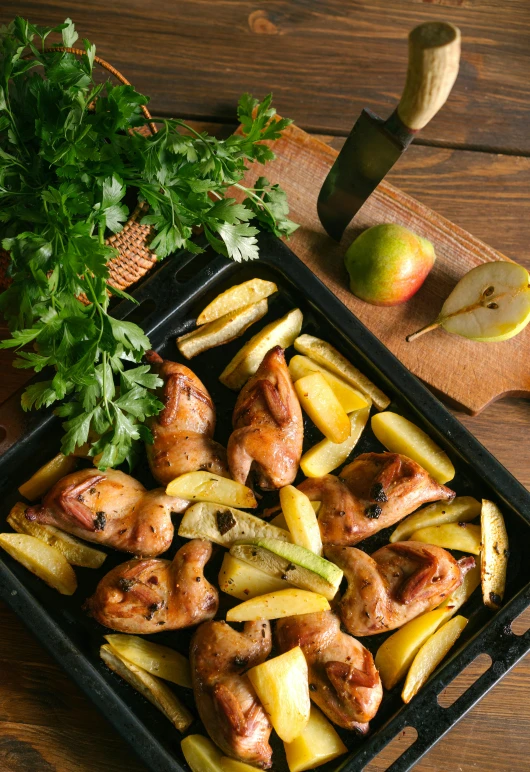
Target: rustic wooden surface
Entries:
(471, 375)
(195, 57)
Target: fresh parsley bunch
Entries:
(67, 159)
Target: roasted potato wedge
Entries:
(494, 558)
(205, 486)
(282, 686)
(275, 605)
(326, 456)
(76, 552)
(327, 355)
(42, 560)
(460, 510)
(395, 655)
(203, 755)
(451, 536)
(351, 399)
(399, 435)
(225, 525)
(243, 581)
(158, 660)
(301, 519)
(280, 522)
(281, 332)
(430, 655)
(317, 744)
(46, 477)
(152, 688)
(322, 406)
(239, 296)
(295, 564)
(223, 330)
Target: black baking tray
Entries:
(169, 301)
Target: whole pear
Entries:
(388, 264)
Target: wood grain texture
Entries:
(195, 57)
(471, 375)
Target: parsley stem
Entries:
(258, 199)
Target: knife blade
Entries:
(375, 145)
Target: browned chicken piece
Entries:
(183, 430)
(268, 426)
(110, 508)
(151, 595)
(227, 703)
(374, 491)
(395, 584)
(343, 680)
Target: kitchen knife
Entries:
(374, 145)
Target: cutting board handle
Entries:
(434, 57)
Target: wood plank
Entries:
(469, 374)
(195, 57)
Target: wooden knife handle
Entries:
(434, 56)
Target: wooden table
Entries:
(324, 60)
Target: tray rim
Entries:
(419, 399)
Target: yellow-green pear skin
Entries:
(388, 264)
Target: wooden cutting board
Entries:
(466, 374)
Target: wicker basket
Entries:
(134, 257)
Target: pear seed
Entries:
(489, 291)
(492, 305)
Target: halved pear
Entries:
(490, 303)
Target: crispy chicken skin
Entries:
(183, 431)
(343, 679)
(110, 508)
(151, 595)
(395, 584)
(268, 426)
(374, 491)
(225, 698)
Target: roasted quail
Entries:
(110, 508)
(225, 698)
(395, 584)
(183, 431)
(343, 680)
(373, 492)
(268, 426)
(150, 595)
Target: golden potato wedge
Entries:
(243, 581)
(153, 689)
(201, 753)
(494, 557)
(460, 510)
(281, 332)
(75, 551)
(396, 653)
(282, 686)
(469, 584)
(280, 522)
(322, 406)
(239, 296)
(326, 456)
(327, 355)
(399, 435)
(223, 330)
(232, 765)
(158, 660)
(301, 519)
(275, 605)
(46, 477)
(42, 560)
(317, 744)
(205, 486)
(430, 655)
(351, 399)
(451, 536)
(225, 525)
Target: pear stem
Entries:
(423, 330)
